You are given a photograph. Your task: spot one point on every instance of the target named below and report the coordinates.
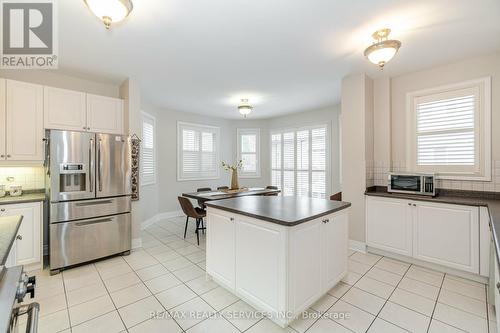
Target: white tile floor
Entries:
(167, 277)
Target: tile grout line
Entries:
(351, 286)
(387, 300)
(435, 304)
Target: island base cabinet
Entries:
(220, 245)
(260, 267)
(281, 270)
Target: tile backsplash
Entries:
(379, 171)
(30, 178)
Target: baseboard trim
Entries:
(159, 217)
(136, 243)
(430, 265)
(357, 245)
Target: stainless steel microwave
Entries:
(412, 183)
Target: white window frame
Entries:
(328, 172)
(482, 167)
(145, 181)
(249, 131)
(216, 130)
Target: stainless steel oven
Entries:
(412, 183)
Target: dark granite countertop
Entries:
(287, 211)
(9, 225)
(491, 200)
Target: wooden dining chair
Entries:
(270, 187)
(223, 188)
(195, 213)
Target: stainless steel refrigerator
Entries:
(89, 186)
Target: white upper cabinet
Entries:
(104, 114)
(65, 109)
(24, 121)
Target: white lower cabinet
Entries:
(389, 225)
(27, 249)
(447, 235)
(439, 233)
(277, 269)
(221, 243)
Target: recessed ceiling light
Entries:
(245, 108)
(383, 49)
(110, 11)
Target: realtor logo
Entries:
(28, 34)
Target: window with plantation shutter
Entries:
(248, 140)
(148, 160)
(449, 131)
(198, 152)
(299, 161)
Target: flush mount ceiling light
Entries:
(383, 49)
(244, 108)
(110, 11)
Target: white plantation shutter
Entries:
(198, 149)
(148, 160)
(249, 151)
(449, 130)
(299, 161)
(445, 131)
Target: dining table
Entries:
(228, 194)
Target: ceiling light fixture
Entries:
(383, 49)
(244, 108)
(110, 11)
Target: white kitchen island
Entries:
(279, 254)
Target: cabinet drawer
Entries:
(84, 240)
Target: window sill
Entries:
(464, 178)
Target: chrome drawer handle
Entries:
(82, 224)
(84, 204)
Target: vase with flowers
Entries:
(234, 176)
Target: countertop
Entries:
(9, 225)
(25, 197)
(491, 200)
(287, 211)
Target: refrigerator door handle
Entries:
(99, 166)
(91, 167)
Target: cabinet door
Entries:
(447, 235)
(388, 225)
(220, 248)
(64, 109)
(2, 120)
(28, 243)
(305, 262)
(260, 268)
(104, 114)
(24, 108)
(334, 249)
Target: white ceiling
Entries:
(284, 55)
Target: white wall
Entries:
(169, 187)
(330, 116)
(396, 91)
(357, 97)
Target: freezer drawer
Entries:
(80, 241)
(84, 209)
